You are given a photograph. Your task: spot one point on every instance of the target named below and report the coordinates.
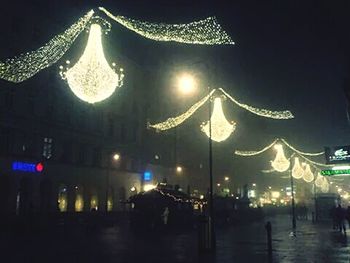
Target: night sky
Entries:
(291, 55)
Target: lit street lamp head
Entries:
(186, 84)
(116, 156)
(179, 169)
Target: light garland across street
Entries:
(261, 112)
(221, 128)
(28, 64)
(175, 121)
(205, 32)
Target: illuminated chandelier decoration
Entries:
(281, 141)
(24, 66)
(205, 32)
(221, 129)
(28, 64)
(91, 79)
(280, 163)
(297, 171)
(319, 180)
(220, 126)
(308, 176)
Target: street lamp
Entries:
(179, 169)
(186, 84)
(115, 158)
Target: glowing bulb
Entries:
(91, 79)
(281, 163)
(179, 169)
(116, 156)
(308, 176)
(186, 84)
(297, 171)
(319, 180)
(221, 129)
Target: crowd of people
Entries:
(340, 215)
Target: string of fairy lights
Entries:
(282, 115)
(26, 65)
(299, 170)
(204, 32)
(221, 127)
(176, 121)
(91, 78)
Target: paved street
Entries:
(314, 243)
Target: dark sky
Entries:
(288, 55)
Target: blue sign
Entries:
(147, 176)
(27, 167)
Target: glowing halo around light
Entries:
(281, 163)
(91, 79)
(297, 171)
(221, 129)
(308, 176)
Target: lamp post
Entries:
(211, 201)
(187, 85)
(293, 202)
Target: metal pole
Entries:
(211, 202)
(293, 202)
(107, 182)
(175, 149)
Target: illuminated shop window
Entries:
(79, 200)
(110, 200)
(62, 199)
(94, 203)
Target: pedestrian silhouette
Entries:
(340, 216)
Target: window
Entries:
(67, 155)
(47, 147)
(6, 139)
(82, 154)
(110, 126)
(96, 156)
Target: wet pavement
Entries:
(247, 243)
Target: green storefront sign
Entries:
(335, 172)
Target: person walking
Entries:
(348, 215)
(165, 215)
(340, 215)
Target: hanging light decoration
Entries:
(205, 32)
(26, 65)
(221, 129)
(176, 121)
(92, 79)
(281, 163)
(319, 180)
(325, 186)
(297, 171)
(308, 176)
